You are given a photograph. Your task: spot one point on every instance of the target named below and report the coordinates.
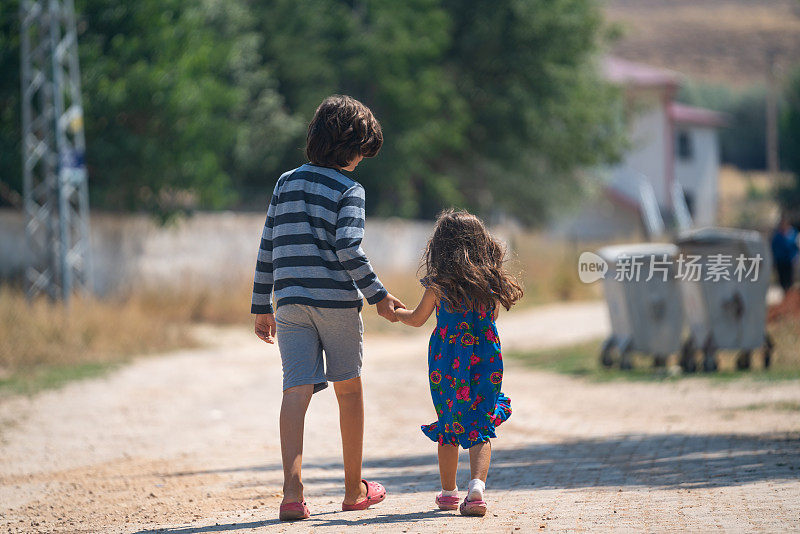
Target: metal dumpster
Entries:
(725, 311)
(645, 311)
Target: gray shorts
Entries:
(304, 332)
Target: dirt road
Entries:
(188, 443)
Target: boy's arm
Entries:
(261, 304)
(349, 233)
(420, 314)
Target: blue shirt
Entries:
(784, 246)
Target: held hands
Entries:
(266, 327)
(403, 315)
(386, 307)
(420, 314)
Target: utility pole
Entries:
(773, 163)
(56, 200)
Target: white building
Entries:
(670, 167)
(696, 166)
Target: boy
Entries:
(311, 256)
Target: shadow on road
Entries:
(227, 527)
(648, 460)
(339, 519)
(661, 461)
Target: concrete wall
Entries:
(14, 255)
(598, 219)
(205, 249)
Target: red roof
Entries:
(625, 72)
(683, 114)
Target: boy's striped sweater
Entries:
(311, 244)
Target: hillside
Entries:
(725, 41)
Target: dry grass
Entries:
(38, 333)
(786, 334)
(746, 200)
(548, 269)
(227, 304)
(45, 345)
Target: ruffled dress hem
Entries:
(467, 437)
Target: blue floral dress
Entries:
(465, 371)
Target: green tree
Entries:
(389, 55)
(538, 109)
(265, 129)
(484, 104)
(488, 105)
(178, 106)
(158, 113)
(10, 128)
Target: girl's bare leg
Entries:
(448, 466)
(479, 457)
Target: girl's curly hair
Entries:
(463, 264)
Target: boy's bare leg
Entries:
(351, 421)
(479, 457)
(448, 466)
(292, 422)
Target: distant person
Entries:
(311, 256)
(785, 252)
(466, 284)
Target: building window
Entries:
(684, 145)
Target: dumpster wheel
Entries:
(687, 360)
(626, 358)
(769, 344)
(743, 360)
(606, 353)
(709, 356)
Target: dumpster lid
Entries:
(716, 235)
(648, 250)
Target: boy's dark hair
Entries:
(342, 129)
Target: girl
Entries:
(465, 283)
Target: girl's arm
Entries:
(420, 314)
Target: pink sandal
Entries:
(293, 511)
(375, 494)
(475, 508)
(447, 503)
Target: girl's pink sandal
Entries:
(476, 508)
(293, 511)
(375, 494)
(446, 503)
